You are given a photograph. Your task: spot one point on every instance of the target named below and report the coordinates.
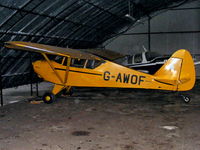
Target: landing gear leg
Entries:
(68, 91)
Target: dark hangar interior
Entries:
(127, 27)
(73, 23)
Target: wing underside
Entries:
(47, 49)
(104, 53)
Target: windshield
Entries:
(151, 55)
(138, 58)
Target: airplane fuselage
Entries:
(108, 74)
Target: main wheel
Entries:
(48, 98)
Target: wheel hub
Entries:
(47, 98)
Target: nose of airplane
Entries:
(37, 66)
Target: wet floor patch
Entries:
(2, 115)
(81, 133)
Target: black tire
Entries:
(48, 98)
(186, 99)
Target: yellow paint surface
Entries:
(177, 74)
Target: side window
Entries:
(91, 64)
(51, 57)
(64, 62)
(138, 58)
(59, 59)
(97, 63)
(151, 55)
(130, 59)
(77, 63)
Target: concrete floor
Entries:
(101, 119)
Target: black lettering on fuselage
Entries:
(134, 79)
(106, 76)
(140, 79)
(126, 78)
(119, 77)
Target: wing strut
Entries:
(67, 69)
(52, 67)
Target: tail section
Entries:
(179, 71)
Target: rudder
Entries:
(179, 70)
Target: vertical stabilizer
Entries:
(179, 70)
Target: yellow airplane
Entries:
(76, 68)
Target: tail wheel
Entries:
(186, 99)
(48, 98)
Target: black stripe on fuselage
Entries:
(79, 71)
(163, 82)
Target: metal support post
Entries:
(1, 91)
(31, 76)
(149, 33)
(37, 92)
(1, 87)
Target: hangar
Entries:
(96, 118)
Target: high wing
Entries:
(47, 49)
(104, 53)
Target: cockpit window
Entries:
(151, 55)
(64, 61)
(97, 63)
(77, 63)
(59, 59)
(91, 64)
(138, 58)
(51, 57)
(130, 59)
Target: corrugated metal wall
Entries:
(172, 30)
